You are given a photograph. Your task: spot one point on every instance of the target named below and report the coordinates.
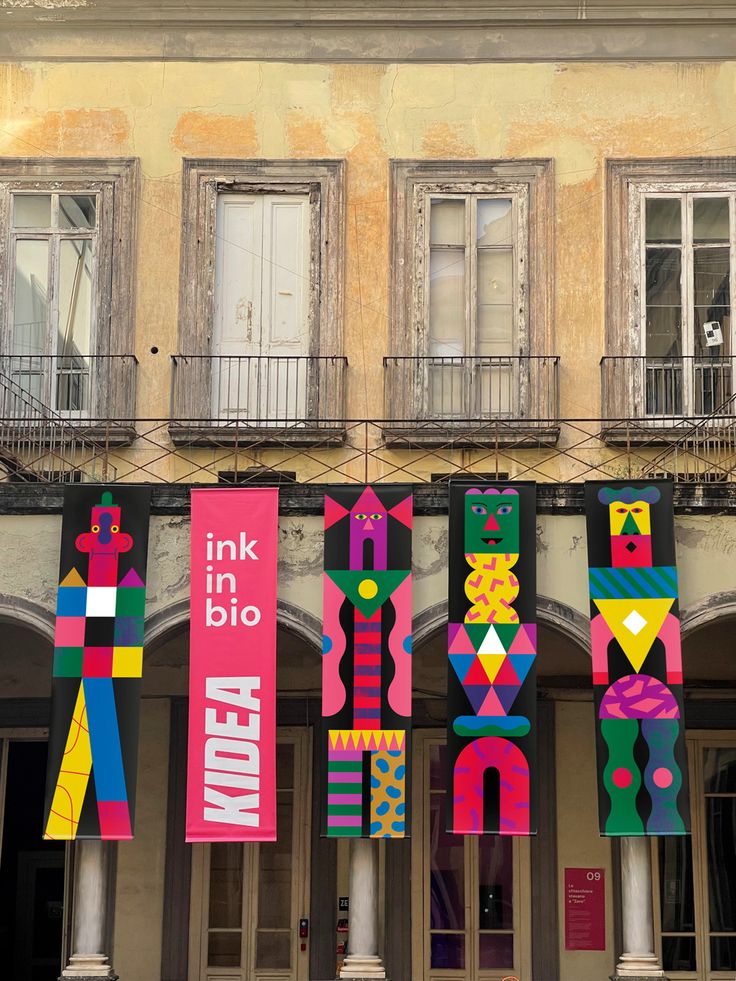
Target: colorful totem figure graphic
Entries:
(637, 662)
(492, 644)
(366, 664)
(98, 661)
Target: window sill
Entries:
(665, 432)
(195, 433)
(46, 433)
(467, 434)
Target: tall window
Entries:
(687, 276)
(53, 248)
(474, 905)
(473, 251)
(697, 874)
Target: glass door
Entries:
(248, 898)
(697, 875)
(474, 902)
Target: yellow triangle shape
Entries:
(72, 579)
(491, 664)
(635, 624)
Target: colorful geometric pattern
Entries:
(97, 664)
(366, 664)
(492, 646)
(637, 661)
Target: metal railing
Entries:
(258, 391)
(662, 389)
(41, 445)
(464, 390)
(72, 386)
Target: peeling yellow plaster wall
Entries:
(578, 114)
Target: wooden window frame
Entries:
(422, 740)
(413, 182)
(628, 183)
(203, 181)
(697, 741)
(114, 181)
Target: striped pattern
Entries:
(655, 582)
(367, 671)
(367, 740)
(344, 792)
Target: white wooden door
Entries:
(261, 330)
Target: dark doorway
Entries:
(31, 871)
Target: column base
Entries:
(362, 967)
(638, 967)
(88, 967)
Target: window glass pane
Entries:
(447, 302)
(663, 219)
(676, 884)
(75, 297)
(495, 316)
(284, 766)
(678, 953)
(447, 222)
(496, 883)
(710, 220)
(495, 222)
(32, 210)
(223, 949)
(226, 884)
(446, 871)
(30, 307)
(77, 211)
(720, 816)
(273, 950)
(274, 869)
(723, 953)
(664, 313)
(448, 950)
(711, 272)
(719, 770)
(496, 950)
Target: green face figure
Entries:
(492, 523)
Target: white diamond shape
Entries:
(635, 622)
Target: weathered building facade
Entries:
(302, 244)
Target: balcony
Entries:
(647, 397)
(472, 401)
(257, 400)
(93, 394)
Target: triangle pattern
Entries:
(491, 643)
(461, 664)
(522, 665)
(350, 582)
(459, 640)
(476, 674)
(506, 695)
(491, 664)
(525, 641)
(491, 705)
(477, 634)
(403, 511)
(72, 579)
(506, 674)
(333, 511)
(131, 578)
(635, 624)
(506, 633)
(476, 695)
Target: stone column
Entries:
(638, 959)
(88, 959)
(363, 960)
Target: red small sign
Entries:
(585, 909)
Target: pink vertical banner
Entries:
(231, 776)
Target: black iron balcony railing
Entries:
(455, 389)
(94, 389)
(234, 393)
(666, 390)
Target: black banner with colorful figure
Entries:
(492, 646)
(98, 663)
(637, 660)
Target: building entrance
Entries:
(31, 870)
